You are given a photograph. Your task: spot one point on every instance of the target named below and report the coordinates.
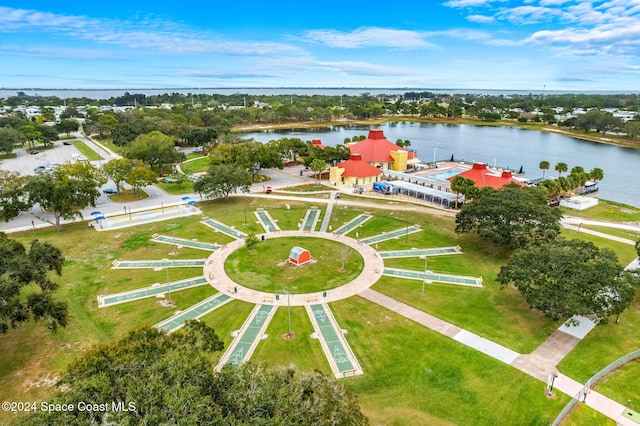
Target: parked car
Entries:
(66, 143)
(39, 169)
(79, 157)
(34, 152)
(109, 191)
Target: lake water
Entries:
(507, 147)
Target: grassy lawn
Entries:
(86, 150)
(5, 156)
(186, 187)
(109, 144)
(198, 165)
(626, 253)
(621, 385)
(266, 268)
(609, 211)
(584, 415)
(412, 375)
(622, 233)
(310, 187)
(127, 196)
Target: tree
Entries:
(20, 269)
(563, 278)
(223, 179)
(250, 241)
(596, 174)
(13, 198)
(118, 169)
(318, 166)
(512, 216)
(155, 149)
(105, 124)
(141, 175)
(544, 166)
(70, 188)
(169, 379)
(461, 185)
(561, 168)
(9, 139)
(49, 133)
(30, 134)
(67, 126)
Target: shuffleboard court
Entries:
(200, 245)
(438, 251)
(434, 277)
(196, 311)
(141, 293)
(221, 227)
(266, 221)
(391, 235)
(141, 264)
(353, 224)
(310, 220)
(245, 343)
(334, 345)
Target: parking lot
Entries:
(25, 163)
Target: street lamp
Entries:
(426, 271)
(173, 234)
(288, 310)
(166, 269)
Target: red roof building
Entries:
(354, 172)
(482, 176)
(317, 143)
(379, 152)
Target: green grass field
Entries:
(412, 375)
(86, 150)
(266, 268)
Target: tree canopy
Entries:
(65, 191)
(169, 379)
(154, 149)
(223, 179)
(20, 268)
(512, 216)
(562, 278)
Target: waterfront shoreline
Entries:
(589, 137)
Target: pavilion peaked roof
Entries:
(482, 176)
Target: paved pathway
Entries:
(538, 364)
(327, 214)
(579, 228)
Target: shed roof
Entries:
(355, 167)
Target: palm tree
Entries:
(544, 166)
(597, 174)
(561, 168)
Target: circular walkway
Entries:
(372, 271)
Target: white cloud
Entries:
(467, 3)
(296, 64)
(480, 19)
(57, 52)
(146, 34)
(369, 36)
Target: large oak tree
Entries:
(563, 278)
(20, 268)
(170, 379)
(512, 216)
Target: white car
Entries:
(79, 157)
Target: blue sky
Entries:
(474, 44)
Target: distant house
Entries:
(379, 152)
(354, 172)
(299, 256)
(483, 176)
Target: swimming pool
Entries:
(446, 175)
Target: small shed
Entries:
(299, 256)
